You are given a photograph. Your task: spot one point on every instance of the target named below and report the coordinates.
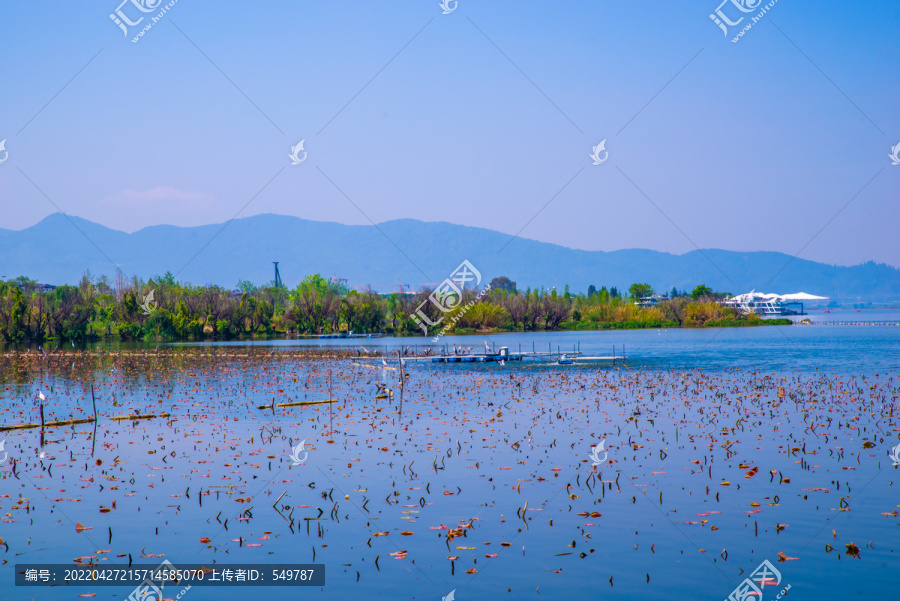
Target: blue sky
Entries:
(480, 117)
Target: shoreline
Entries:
(576, 327)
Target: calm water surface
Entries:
(724, 447)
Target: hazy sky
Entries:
(480, 117)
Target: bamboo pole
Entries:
(298, 403)
(68, 422)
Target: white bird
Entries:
(41, 396)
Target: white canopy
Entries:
(794, 296)
(802, 296)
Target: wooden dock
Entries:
(341, 335)
(502, 355)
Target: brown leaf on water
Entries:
(81, 559)
(79, 527)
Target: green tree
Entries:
(246, 286)
(638, 291)
(503, 283)
(13, 309)
(701, 290)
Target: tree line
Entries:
(163, 309)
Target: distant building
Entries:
(651, 301)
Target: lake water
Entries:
(723, 448)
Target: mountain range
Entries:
(59, 249)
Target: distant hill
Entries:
(56, 252)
